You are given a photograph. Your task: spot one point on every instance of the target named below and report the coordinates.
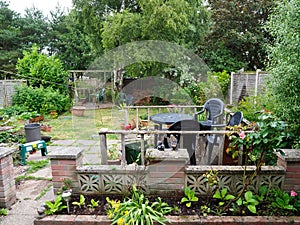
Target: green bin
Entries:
(133, 152)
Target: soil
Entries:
(103, 205)
(263, 209)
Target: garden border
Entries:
(175, 220)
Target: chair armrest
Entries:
(201, 111)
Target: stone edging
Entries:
(175, 220)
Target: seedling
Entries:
(81, 201)
(189, 197)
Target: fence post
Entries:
(103, 147)
(123, 161)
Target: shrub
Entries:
(41, 100)
(41, 70)
(138, 210)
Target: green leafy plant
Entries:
(81, 201)
(224, 80)
(248, 200)
(189, 197)
(56, 206)
(281, 200)
(262, 193)
(40, 100)
(3, 212)
(138, 210)
(271, 135)
(67, 184)
(93, 204)
(223, 196)
(205, 210)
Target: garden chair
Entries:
(217, 140)
(214, 109)
(189, 140)
(235, 119)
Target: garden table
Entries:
(168, 119)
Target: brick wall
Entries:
(63, 165)
(7, 181)
(291, 162)
(166, 172)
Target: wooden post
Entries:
(103, 148)
(142, 149)
(155, 135)
(126, 112)
(137, 119)
(123, 160)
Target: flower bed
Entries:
(179, 220)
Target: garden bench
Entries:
(30, 147)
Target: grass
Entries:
(71, 127)
(44, 191)
(33, 167)
(30, 177)
(37, 165)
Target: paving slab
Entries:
(24, 211)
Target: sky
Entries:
(44, 5)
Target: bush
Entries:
(41, 70)
(284, 64)
(41, 100)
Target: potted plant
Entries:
(78, 110)
(144, 122)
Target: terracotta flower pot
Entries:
(78, 111)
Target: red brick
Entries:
(64, 220)
(293, 169)
(85, 220)
(48, 220)
(67, 162)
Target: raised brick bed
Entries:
(175, 220)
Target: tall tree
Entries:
(237, 37)
(93, 12)
(9, 38)
(19, 33)
(33, 29)
(284, 64)
(68, 40)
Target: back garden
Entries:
(263, 176)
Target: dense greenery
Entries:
(284, 64)
(61, 35)
(41, 70)
(41, 100)
(237, 36)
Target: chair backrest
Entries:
(235, 119)
(214, 107)
(189, 140)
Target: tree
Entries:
(9, 36)
(68, 41)
(284, 66)
(91, 13)
(19, 33)
(33, 29)
(237, 37)
(43, 71)
(177, 21)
